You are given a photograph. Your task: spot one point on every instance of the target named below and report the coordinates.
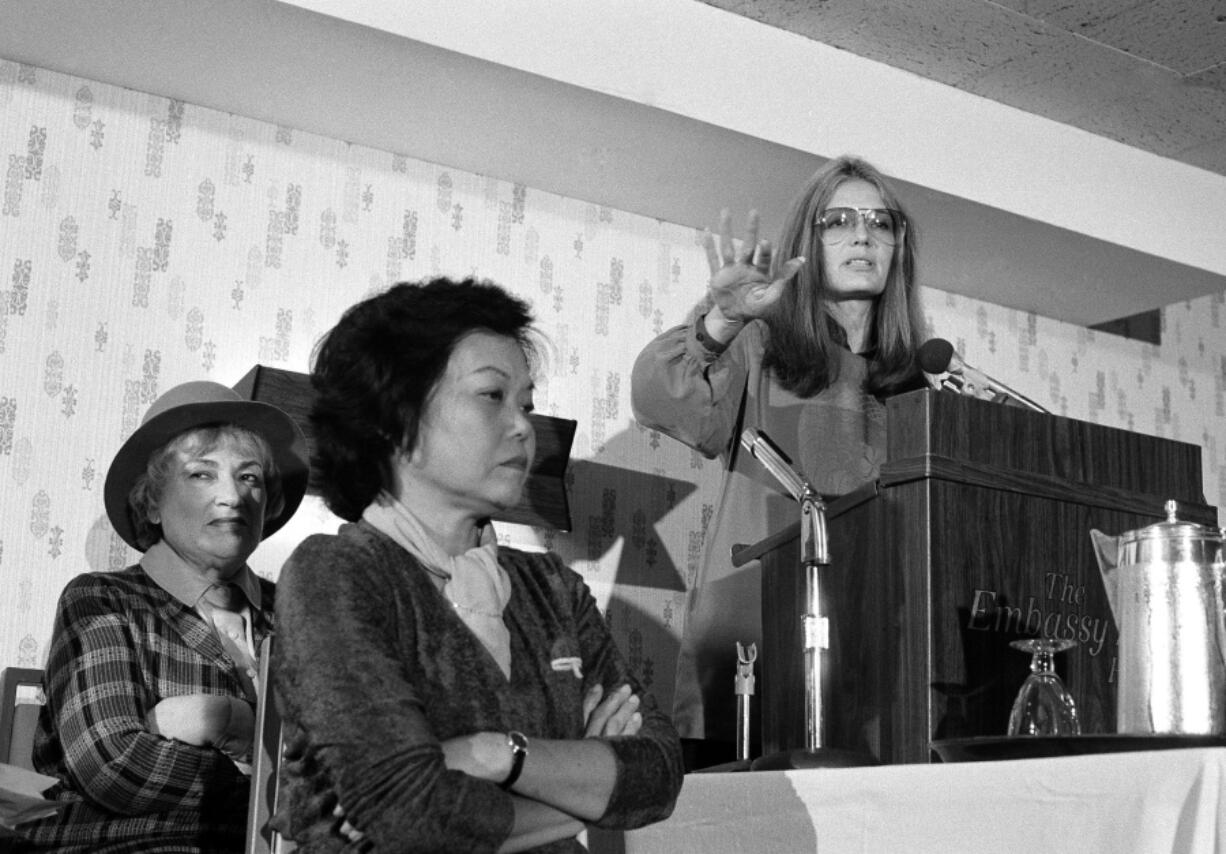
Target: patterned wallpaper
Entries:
(145, 242)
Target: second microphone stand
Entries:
(814, 555)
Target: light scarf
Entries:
(477, 587)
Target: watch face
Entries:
(518, 742)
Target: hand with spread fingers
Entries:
(801, 338)
(741, 286)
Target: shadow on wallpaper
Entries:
(606, 495)
(104, 550)
(649, 645)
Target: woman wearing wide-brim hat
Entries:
(150, 677)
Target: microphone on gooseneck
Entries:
(939, 359)
(935, 355)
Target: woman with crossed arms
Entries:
(451, 694)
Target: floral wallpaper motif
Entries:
(145, 242)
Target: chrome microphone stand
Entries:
(744, 694)
(814, 555)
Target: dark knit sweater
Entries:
(376, 669)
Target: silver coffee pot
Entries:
(1166, 584)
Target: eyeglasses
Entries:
(834, 225)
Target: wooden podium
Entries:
(976, 533)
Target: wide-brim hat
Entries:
(199, 404)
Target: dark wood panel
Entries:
(1046, 486)
(975, 431)
(1015, 566)
(878, 595)
(952, 558)
(545, 502)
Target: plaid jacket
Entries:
(120, 645)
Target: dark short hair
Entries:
(374, 371)
(147, 490)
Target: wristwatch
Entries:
(518, 742)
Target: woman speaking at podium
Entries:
(802, 341)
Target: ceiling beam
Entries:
(600, 103)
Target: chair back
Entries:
(265, 765)
(21, 698)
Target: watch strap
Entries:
(518, 742)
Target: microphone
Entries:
(815, 541)
(764, 451)
(938, 356)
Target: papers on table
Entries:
(21, 797)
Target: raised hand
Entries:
(741, 287)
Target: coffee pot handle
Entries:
(1107, 550)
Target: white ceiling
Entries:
(673, 109)
(1148, 73)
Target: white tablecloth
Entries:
(1146, 802)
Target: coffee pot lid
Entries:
(1171, 541)
(1172, 527)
